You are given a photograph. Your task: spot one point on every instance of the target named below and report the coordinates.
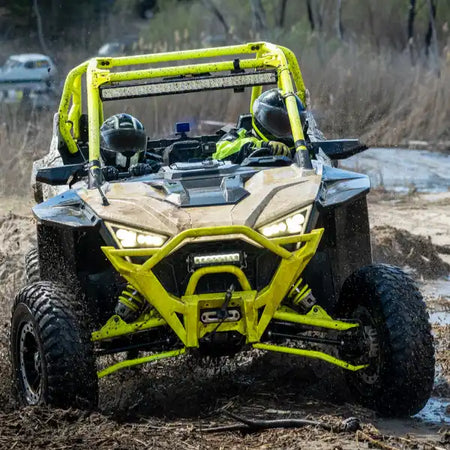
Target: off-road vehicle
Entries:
(205, 255)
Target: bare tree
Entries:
(314, 15)
(431, 44)
(259, 15)
(431, 29)
(310, 15)
(339, 29)
(282, 15)
(220, 17)
(39, 27)
(411, 17)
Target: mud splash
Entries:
(400, 248)
(16, 237)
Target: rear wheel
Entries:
(51, 350)
(395, 338)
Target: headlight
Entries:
(294, 223)
(129, 238)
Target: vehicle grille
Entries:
(173, 273)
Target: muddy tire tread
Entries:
(32, 269)
(67, 350)
(408, 373)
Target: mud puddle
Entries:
(440, 317)
(403, 170)
(436, 411)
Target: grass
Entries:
(24, 137)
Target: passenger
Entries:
(123, 143)
(271, 130)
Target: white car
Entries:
(28, 67)
(30, 75)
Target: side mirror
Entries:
(338, 148)
(61, 175)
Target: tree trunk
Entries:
(339, 29)
(431, 44)
(282, 13)
(432, 15)
(314, 14)
(259, 15)
(39, 28)
(220, 17)
(310, 15)
(411, 17)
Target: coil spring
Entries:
(301, 296)
(130, 304)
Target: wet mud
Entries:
(171, 404)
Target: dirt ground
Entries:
(171, 404)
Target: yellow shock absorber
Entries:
(130, 304)
(300, 296)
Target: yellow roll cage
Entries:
(98, 72)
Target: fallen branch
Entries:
(251, 425)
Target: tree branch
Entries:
(351, 424)
(220, 17)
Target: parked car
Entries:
(28, 76)
(28, 68)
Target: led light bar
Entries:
(216, 258)
(185, 85)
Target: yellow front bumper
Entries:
(257, 308)
(182, 314)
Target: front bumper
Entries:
(182, 313)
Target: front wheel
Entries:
(32, 267)
(395, 340)
(51, 351)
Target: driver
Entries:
(271, 130)
(123, 143)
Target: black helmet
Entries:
(270, 116)
(122, 141)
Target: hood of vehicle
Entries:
(269, 194)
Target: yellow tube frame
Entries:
(310, 354)
(143, 360)
(258, 308)
(98, 72)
